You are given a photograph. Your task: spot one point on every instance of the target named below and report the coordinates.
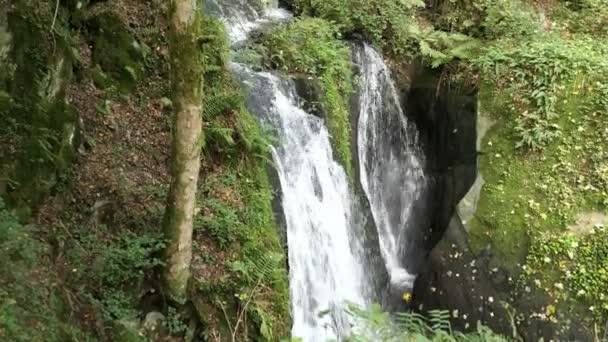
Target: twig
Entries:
(227, 318)
(55, 15)
(240, 319)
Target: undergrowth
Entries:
(244, 279)
(394, 25)
(406, 326)
(544, 161)
(578, 269)
(32, 305)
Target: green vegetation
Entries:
(86, 266)
(313, 47)
(32, 306)
(34, 118)
(414, 327)
(116, 51)
(577, 269)
(395, 26)
(240, 275)
(544, 160)
(89, 263)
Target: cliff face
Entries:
(39, 125)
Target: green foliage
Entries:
(228, 127)
(237, 213)
(579, 268)
(537, 76)
(236, 218)
(110, 269)
(31, 307)
(583, 16)
(393, 25)
(544, 161)
(313, 47)
(35, 119)
(380, 326)
(508, 19)
(174, 323)
(116, 50)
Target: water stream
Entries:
(329, 266)
(391, 163)
(325, 270)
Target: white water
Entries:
(325, 272)
(390, 162)
(325, 256)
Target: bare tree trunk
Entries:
(187, 82)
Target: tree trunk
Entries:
(187, 83)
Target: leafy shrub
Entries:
(509, 19)
(585, 16)
(394, 26)
(31, 307)
(112, 269)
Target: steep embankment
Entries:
(85, 111)
(535, 217)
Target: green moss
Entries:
(313, 47)
(116, 50)
(530, 198)
(238, 216)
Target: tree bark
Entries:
(187, 83)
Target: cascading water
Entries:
(325, 267)
(390, 162)
(325, 234)
(241, 17)
(325, 271)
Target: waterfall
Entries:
(241, 17)
(325, 271)
(390, 162)
(328, 265)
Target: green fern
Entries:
(218, 104)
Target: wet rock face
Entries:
(455, 280)
(444, 115)
(450, 276)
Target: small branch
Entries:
(240, 319)
(55, 15)
(227, 319)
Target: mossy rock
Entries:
(116, 50)
(36, 111)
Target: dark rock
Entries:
(42, 66)
(310, 93)
(454, 280)
(116, 50)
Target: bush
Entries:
(31, 307)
